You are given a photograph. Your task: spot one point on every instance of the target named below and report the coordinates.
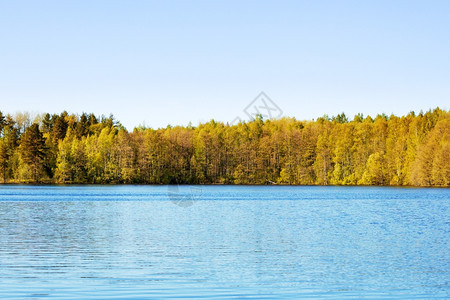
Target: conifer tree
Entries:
(32, 149)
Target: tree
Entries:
(32, 149)
(60, 127)
(373, 175)
(2, 122)
(431, 167)
(409, 150)
(47, 123)
(3, 158)
(64, 161)
(323, 162)
(22, 121)
(344, 166)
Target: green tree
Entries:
(2, 122)
(409, 150)
(32, 149)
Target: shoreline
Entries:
(209, 184)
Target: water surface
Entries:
(223, 242)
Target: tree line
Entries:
(411, 150)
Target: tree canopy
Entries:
(412, 150)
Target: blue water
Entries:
(223, 242)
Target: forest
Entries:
(411, 150)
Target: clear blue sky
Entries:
(171, 62)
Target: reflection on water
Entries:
(132, 242)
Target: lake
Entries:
(223, 242)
